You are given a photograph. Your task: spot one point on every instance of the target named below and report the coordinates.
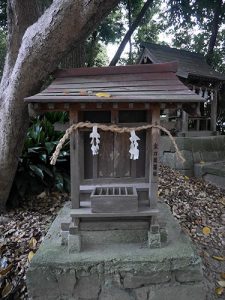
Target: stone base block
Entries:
(74, 243)
(117, 271)
(154, 240)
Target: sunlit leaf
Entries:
(221, 283)
(30, 256)
(32, 243)
(222, 200)
(219, 291)
(206, 230)
(219, 258)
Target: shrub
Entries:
(34, 173)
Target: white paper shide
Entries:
(95, 140)
(134, 151)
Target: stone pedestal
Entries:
(117, 271)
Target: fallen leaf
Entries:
(5, 271)
(186, 177)
(2, 248)
(206, 230)
(222, 275)
(106, 95)
(222, 200)
(219, 258)
(32, 243)
(41, 195)
(202, 162)
(219, 291)
(83, 93)
(66, 92)
(221, 283)
(7, 289)
(30, 256)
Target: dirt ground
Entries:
(199, 207)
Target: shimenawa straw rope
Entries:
(112, 128)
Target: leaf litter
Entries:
(200, 210)
(21, 233)
(198, 206)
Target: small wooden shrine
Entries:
(199, 77)
(116, 186)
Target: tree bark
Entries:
(75, 58)
(214, 31)
(20, 15)
(129, 33)
(64, 24)
(129, 26)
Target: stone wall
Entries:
(196, 150)
(95, 283)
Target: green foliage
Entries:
(3, 14)
(2, 50)
(34, 173)
(112, 28)
(190, 23)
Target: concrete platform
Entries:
(116, 271)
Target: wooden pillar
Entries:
(184, 125)
(214, 110)
(74, 162)
(154, 157)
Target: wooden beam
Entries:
(153, 157)
(214, 110)
(74, 162)
(163, 67)
(184, 125)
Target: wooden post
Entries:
(74, 162)
(214, 110)
(154, 159)
(184, 126)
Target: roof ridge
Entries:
(173, 49)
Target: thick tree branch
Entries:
(129, 33)
(214, 31)
(64, 24)
(56, 32)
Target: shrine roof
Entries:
(133, 83)
(190, 64)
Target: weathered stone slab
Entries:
(113, 293)
(143, 279)
(188, 275)
(181, 292)
(88, 287)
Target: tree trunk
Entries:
(75, 58)
(64, 24)
(129, 26)
(214, 31)
(129, 33)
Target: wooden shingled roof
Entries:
(190, 64)
(134, 83)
